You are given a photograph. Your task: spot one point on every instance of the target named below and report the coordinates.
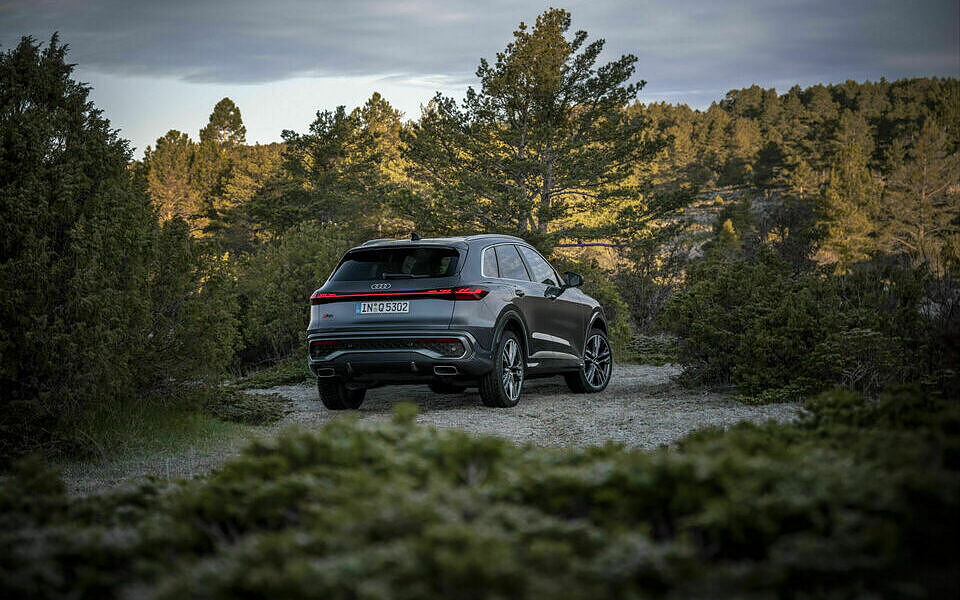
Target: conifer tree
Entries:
(327, 181)
(221, 141)
(170, 177)
(728, 243)
(225, 126)
(853, 130)
(849, 210)
(921, 207)
(75, 241)
(544, 137)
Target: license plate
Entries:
(383, 308)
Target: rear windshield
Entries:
(397, 263)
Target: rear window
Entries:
(397, 263)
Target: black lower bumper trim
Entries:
(392, 369)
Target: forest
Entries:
(781, 246)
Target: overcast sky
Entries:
(163, 64)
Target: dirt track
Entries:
(641, 407)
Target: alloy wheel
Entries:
(512, 373)
(597, 361)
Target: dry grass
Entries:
(171, 441)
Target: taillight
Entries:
(470, 293)
(461, 293)
(320, 297)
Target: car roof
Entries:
(457, 241)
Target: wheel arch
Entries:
(511, 320)
(597, 320)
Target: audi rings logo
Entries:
(380, 286)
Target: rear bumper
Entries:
(406, 365)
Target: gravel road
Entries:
(642, 407)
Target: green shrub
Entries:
(194, 330)
(775, 333)
(723, 302)
(654, 349)
(76, 238)
(859, 359)
(855, 499)
(789, 393)
(247, 408)
(275, 286)
(289, 371)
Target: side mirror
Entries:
(572, 280)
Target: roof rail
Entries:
(377, 241)
(483, 236)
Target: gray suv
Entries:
(485, 310)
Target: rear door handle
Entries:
(519, 292)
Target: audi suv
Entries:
(485, 311)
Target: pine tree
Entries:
(255, 172)
(75, 243)
(799, 177)
(849, 210)
(225, 126)
(221, 144)
(382, 128)
(348, 169)
(713, 141)
(328, 180)
(921, 208)
(728, 243)
(820, 113)
(170, 177)
(853, 130)
(743, 146)
(544, 137)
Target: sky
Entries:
(162, 64)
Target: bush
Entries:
(194, 330)
(856, 499)
(75, 243)
(275, 286)
(859, 359)
(247, 408)
(654, 349)
(102, 309)
(722, 303)
(289, 371)
(775, 333)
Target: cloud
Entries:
(681, 44)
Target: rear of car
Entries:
(482, 311)
(384, 316)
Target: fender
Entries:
(508, 314)
(595, 317)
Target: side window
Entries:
(539, 268)
(511, 266)
(489, 268)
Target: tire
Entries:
(335, 395)
(595, 373)
(443, 387)
(500, 388)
